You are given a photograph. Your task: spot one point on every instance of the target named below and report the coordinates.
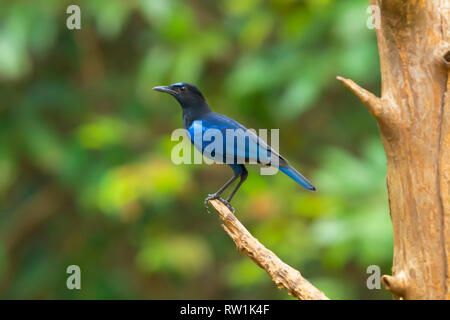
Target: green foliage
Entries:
(85, 170)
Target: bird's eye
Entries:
(183, 88)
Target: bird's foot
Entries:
(227, 204)
(210, 197)
(215, 196)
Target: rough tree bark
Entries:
(413, 116)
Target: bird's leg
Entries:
(222, 189)
(244, 175)
(219, 192)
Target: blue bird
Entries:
(197, 115)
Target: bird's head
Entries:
(187, 94)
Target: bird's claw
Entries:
(227, 204)
(214, 197)
(210, 197)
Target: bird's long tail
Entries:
(297, 177)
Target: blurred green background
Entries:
(85, 171)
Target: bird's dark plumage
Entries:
(198, 115)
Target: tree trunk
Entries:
(414, 119)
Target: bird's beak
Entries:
(166, 89)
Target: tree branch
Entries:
(372, 102)
(282, 274)
(395, 284)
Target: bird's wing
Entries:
(246, 145)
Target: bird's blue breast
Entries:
(225, 140)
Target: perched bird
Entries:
(197, 111)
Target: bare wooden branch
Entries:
(372, 102)
(385, 110)
(395, 284)
(282, 274)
